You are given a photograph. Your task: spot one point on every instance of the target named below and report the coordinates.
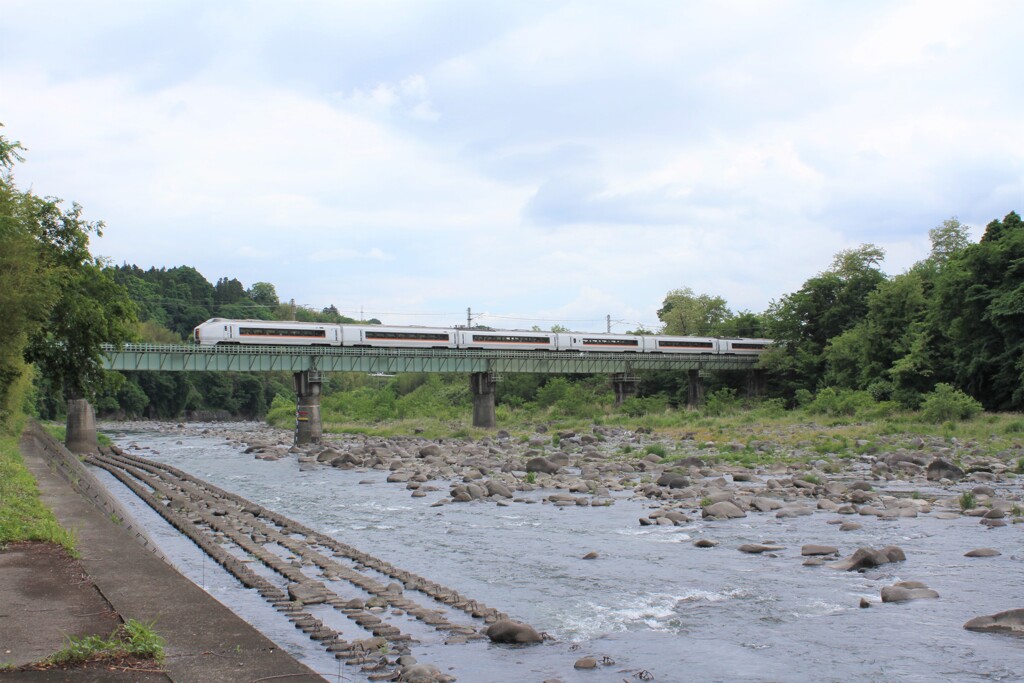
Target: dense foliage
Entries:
(954, 318)
(59, 302)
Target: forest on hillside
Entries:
(953, 322)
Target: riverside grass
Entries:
(23, 517)
(737, 431)
(131, 639)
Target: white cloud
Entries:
(568, 160)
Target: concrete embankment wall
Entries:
(74, 471)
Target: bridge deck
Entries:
(178, 358)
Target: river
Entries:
(653, 605)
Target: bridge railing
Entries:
(169, 357)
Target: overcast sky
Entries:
(539, 162)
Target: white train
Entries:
(218, 331)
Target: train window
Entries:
(677, 344)
(413, 336)
(271, 332)
(510, 339)
(743, 345)
(604, 341)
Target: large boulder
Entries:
(496, 488)
(1010, 621)
(429, 451)
(542, 465)
(673, 480)
(722, 510)
(508, 631)
(907, 590)
(943, 469)
(866, 558)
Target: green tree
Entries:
(59, 302)
(228, 291)
(264, 294)
(27, 290)
(826, 306)
(689, 314)
(979, 306)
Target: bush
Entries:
(841, 402)
(657, 449)
(1014, 427)
(721, 402)
(946, 403)
(638, 407)
(282, 412)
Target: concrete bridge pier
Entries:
(695, 389)
(80, 432)
(757, 383)
(482, 385)
(625, 386)
(308, 427)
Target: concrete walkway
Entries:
(39, 604)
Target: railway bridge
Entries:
(307, 364)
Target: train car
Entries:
(398, 337)
(605, 343)
(660, 344)
(745, 347)
(507, 339)
(272, 332)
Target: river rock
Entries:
(585, 663)
(907, 590)
(983, 552)
(430, 450)
(673, 480)
(424, 673)
(939, 469)
(765, 504)
(705, 543)
(508, 631)
(813, 549)
(865, 558)
(1010, 621)
(722, 510)
(757, 548)
(542, 465)
(496, 488)
(791, 511)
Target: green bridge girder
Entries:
(187, 357)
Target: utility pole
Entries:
(469, 318)
(609, 318)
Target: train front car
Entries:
(659, 344)
(399, 337)
(507, 339)
(211, 332)
(218, 331)
(744, 347)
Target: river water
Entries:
(652, 603)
